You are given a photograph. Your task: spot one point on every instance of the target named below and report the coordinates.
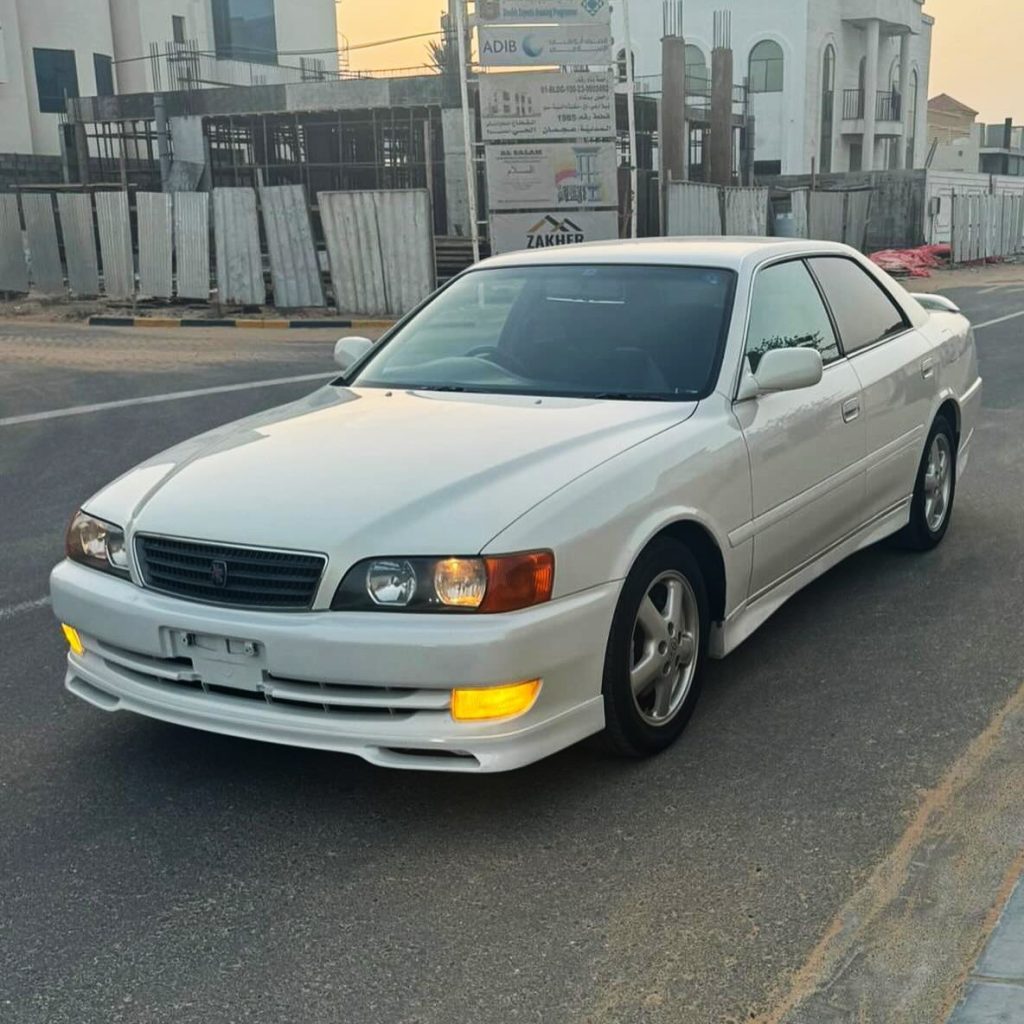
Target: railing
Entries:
(184, 66)
(853, 104)
(888, 105)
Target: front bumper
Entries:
(371, 684)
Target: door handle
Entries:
(851, 410)
(928, 368)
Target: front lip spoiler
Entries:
(521, 743)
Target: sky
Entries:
(976, 57)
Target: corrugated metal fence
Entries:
(987, 227)
(832, 216)
(693, 209)
(697, 209)
(379, 247)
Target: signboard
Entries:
(545, 45)
(552, 175)
(532, 12)
(547, 105)
(513, 231)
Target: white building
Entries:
(842, 83)
(51, 50)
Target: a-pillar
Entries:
(873, 30)
(905, 159)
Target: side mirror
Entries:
(937, 304)
(349, 351)
(783, 369)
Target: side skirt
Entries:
(727, 636)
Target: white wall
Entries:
(55, 24)
(137, 24)
(15, 124)
(122, 30)
(962, 155)
(310, 25)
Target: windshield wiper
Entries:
(640, 396)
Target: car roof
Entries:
(716, 251)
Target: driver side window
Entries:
(787, 311)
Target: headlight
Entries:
(98, 544)
(452, 584)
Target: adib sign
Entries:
(545, 45)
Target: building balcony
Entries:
(888, 112)
(896, 16)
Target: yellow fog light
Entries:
(494, 701)
(73, 639)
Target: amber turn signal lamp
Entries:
(478, 705)
(73, 639)
(518, 581)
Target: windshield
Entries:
(627, 332)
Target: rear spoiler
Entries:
(937, 304)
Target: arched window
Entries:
(698, 77)
(766, 67)
(828, 106)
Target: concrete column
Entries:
(905, 111)
(672, 112)
(873, 30)
(721, 116)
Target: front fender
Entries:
(698, 471)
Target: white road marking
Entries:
(174, 396)
(998, 320)
(26, 606)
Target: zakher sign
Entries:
(547, 105)
(551, 175)
(545, 45)
(511, 232)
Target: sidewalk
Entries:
(994, 993)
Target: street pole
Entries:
(467, 129)
(631, 112)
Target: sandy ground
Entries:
(986, 275)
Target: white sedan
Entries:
(532, 511)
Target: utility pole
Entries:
(631, 110)
(467, 128)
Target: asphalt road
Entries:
(150, 873)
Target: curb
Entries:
(274, 325)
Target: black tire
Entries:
(918, 534)
(627, 732)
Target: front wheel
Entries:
(935, 491)
(656, 651)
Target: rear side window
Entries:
(864, 313)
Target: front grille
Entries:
(225, 575)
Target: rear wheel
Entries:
(932, 505)
(656, 651)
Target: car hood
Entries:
(354, 473)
